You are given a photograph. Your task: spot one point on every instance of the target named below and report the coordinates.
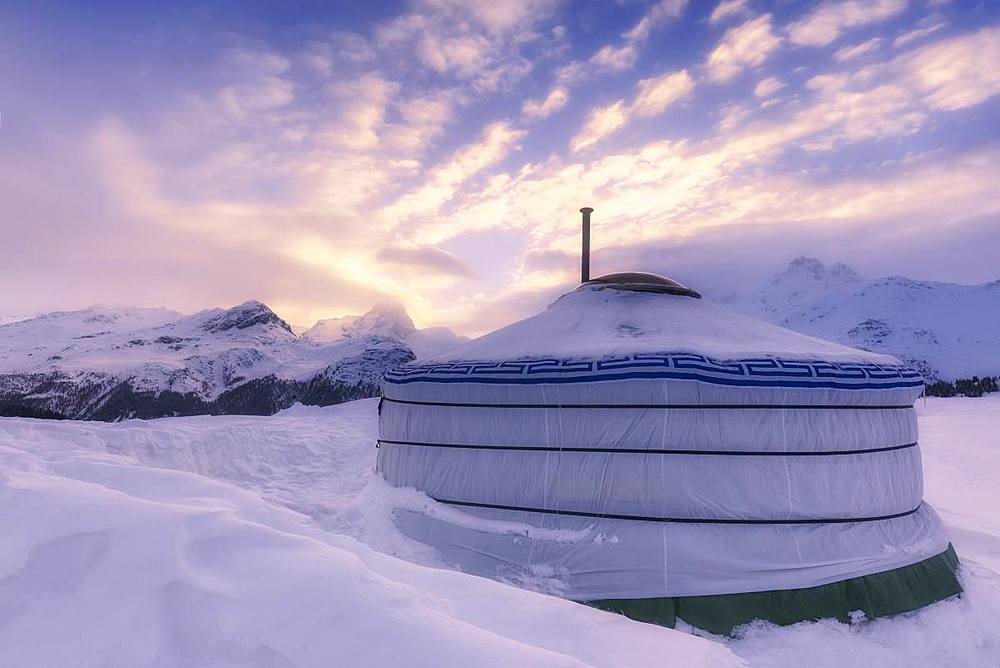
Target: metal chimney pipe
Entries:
(585, 256)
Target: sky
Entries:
(323, 157)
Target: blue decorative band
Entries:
(755, 372)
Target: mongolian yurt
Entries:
(640, 449)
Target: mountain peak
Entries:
(803, 263)
(387, 320)
(811, 268)
(248, 314)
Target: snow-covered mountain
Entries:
(7, 318)
(946, 330)
(109, 363)
(387, 321)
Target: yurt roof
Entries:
(601, 319)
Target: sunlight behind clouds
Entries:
(382, 154)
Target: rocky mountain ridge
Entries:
(112, 363)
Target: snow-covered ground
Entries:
(266, 541)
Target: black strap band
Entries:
(645, 451)
(675, 520)
(668, 406)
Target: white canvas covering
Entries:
(633, 445)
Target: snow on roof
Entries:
(595, 321)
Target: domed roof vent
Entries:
(627, 280)
(641, 282)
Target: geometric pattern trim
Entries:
(761, 371)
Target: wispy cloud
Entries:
(424, 258)
(918, 34)
(553, 102)
(855, 51)
(728, 9)
(768, 87)
(497, 140)
(652, 98)
(622, 55)
(476, 42)
(600, 123)
(747, 45)
(709, 182)
(949, 74)
(657, 93)
(833, 18)
(662, 11)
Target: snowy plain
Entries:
(268, 541)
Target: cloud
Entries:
(831, 19)
(476, 42)
(617, 58)
(315, 156)
(845, 111)
(553, 102)
(768, 87)
(653, 96)
(549, 260)
(949, 74)
(738, 174)
(747, 45)
(464, 55)
(343, 167)
(258, 81)
(855, 51)
(183, 252)
(424, 258)
(657, 93)
(662, 11)
(715, 260)
(917, 34)
(499, 18)
(700, 208)
(363, 105)
(319, 57)
(891, 99)
(350, 48)
(728, 9)
(732, 115)
(497, 140)
(425, 116)
(256, 59)
(600, 123)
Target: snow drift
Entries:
(108, 562)
(234, 541)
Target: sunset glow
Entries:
(323, 157)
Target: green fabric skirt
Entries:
(877, 595)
